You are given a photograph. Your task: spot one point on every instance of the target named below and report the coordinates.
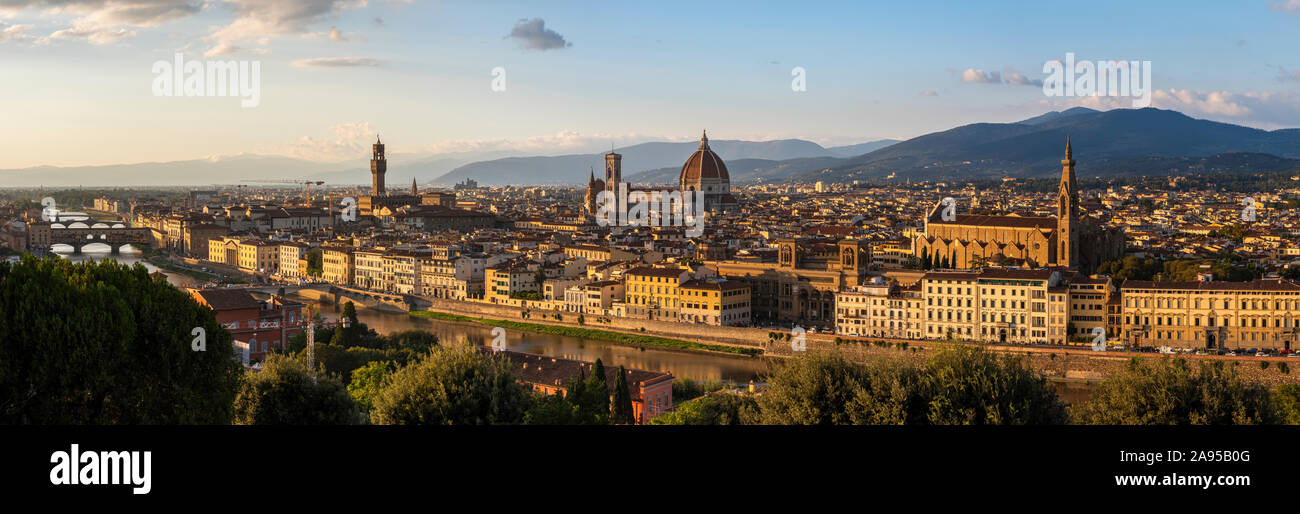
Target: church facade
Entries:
(1067, 240)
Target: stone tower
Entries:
(1067, 212)
(378, 167)
(613, 171)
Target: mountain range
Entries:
(1106, 143)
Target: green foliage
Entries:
(1224, 268)
(368, 381)
(452, 386)
(960, 385)
(685, 389)
(716, 409)
(1286, 399)
(553, 410)
(285, 393)
(621, 408)
(970, 386)
(1169, 392)
(103, 343)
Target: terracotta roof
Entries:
(555, 371)
(978, 220)
(227, 299)
(1255, 285)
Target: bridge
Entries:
(79, 235)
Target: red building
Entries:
(652, 392)
(257, 326)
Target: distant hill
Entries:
(860, 148)
(575, 169)
(1104, 144)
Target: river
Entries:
(697, 366)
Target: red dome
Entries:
(704, 165)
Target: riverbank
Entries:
(590, 333)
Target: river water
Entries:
(697, 366)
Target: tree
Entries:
(812, 389)
(104, 343)
(553, 409)
(1287, 400)
(452, 386)
(358, 334)
(972, 386)
(368, 381)
(622, 407)
(286, 393)
(1169, 392)
(717, 409)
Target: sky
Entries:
(78, 77)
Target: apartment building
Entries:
(1088, 300)
(996, 305)
(338, 265)
(717, 302)
(652, 292)
(1211, 315)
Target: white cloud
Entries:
(1008, 75)
(258, 20)
(93, 32)
(974, 76)
(336, 62)
(344, 142)
(14, 33)
(1291, 6)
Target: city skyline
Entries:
(335, 73)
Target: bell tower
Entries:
(613, 171)
(378, 167)
(1067, 212)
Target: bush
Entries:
(286, 393)
(1169, 392)
(452, 386)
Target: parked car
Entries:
(1231, 353)
(1261, 354)
(1294, 355)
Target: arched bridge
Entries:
(114, 236)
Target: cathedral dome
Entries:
(704, 165)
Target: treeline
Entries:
(101, 343)
(971, 386)
(1229, 268)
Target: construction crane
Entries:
(305, 183)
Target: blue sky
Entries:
(77, 73)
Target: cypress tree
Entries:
(622, 400)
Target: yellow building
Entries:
(996, 305)
(1212, 315)
(259, 256)
(800, 286)
(714, 302)
(652, 293)
(1088, 300)
(502, 280)
(338, 264)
